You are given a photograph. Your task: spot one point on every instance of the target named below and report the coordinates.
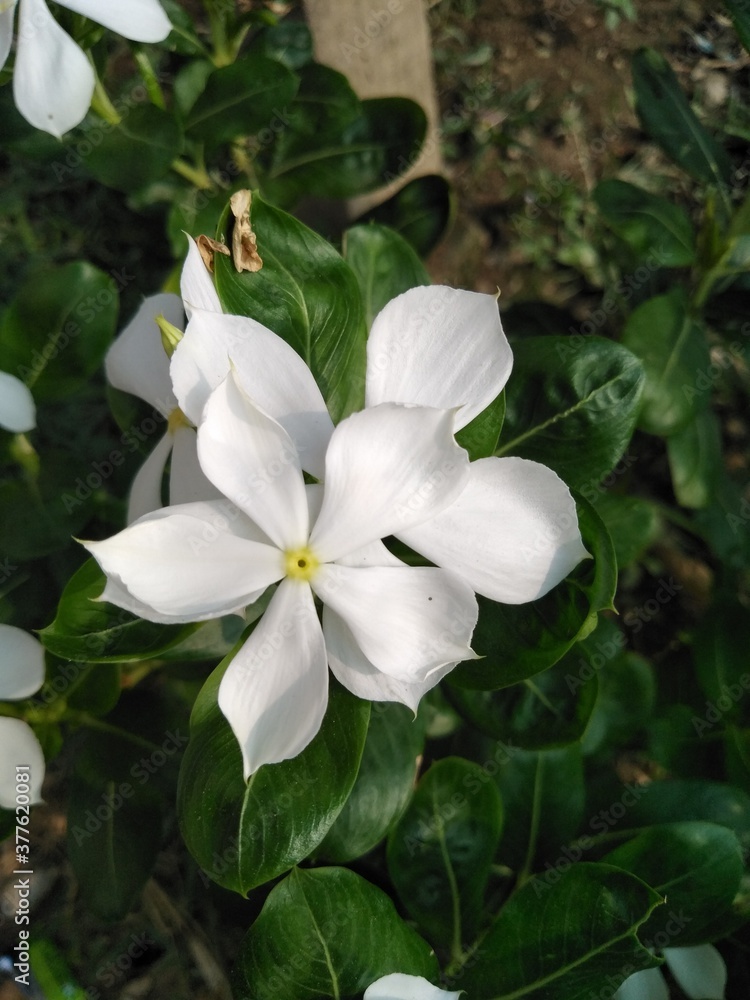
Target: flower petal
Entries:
(438, 346)
(191, 562)
(17, 409)
(145, 493)
(253, 461)
(187, 481)
(350, 666)
(399, 986)
(648, 984)
(6, 30)
(387, 468)
(137, 362)
(275, 690)
(139, 20)
(52, 79)
(700, 971)
(408, 621)
(270, 372)
(19, 747)
(512, 534)
(196, 285)
(22, 663)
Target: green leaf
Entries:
(241, 99)
(741, 19)
(666, 115)
(385, 782)
(307, 294)
(371, 151)
(38, 517)
(289, 42)
(647, 222)
(571, 406)
(565, 940)
(720, 654)
(55, 333)
(696, 866)
(384, 264)
(537, 714)
(627, 695)
(137, 151)
(695, 460)
(441, 851)
(326, 933)
(672, 347)
(97, 632)
(633, 524)
(480, 436)
(114, 824)
(419, 211)
(245, 833)
(518, 641)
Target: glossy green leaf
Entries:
(696, 866)
(672, 346)
(245, 833)
(567, 940)
(518, 641)
(136, 152)
(420, 211)
(571, 406)
(537, 714)
(54, 334)
(241, 99)
(647, 222)
(666, 115)
(385, 782)
(720, 653)
(384, 263)
(97, 632)
(441, 851)
(543, 800)
(289, 42)
(326, 932)
(480, 436)
(626, 700)
(695, 460)
(307, 294)
(633, 524)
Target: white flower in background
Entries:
(699, 971)
(399, 986)
(192, 562)
(137, 363)
(21, 674)
(53, 80)
(17, 410)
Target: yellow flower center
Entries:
(177, 419)
(301, 564)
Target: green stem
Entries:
(101, 104)
(196, 175)
(155, 93)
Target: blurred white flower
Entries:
(17, 410)
(398, 986)
(53, 80)
(21, 674)
(699, 971)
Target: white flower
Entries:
(382, 619)
(17, 410)
(21, 674)
(398, 986)
(52, 79)
(699, 971)
(137, 363)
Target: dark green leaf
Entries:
(241, 99)
(517, 641)
(633, 524)
(741, 17)
(419, 211)
(666, 115)
(647, 222)
(326, 933)
(565, 941)
(720, 653)
(394, 744)
(245, 833)
(672, 346)
(136, 152)
(571, 406)
(309, 296)
(627, 694)
(289, 42)
(480, 436)
(441, 850)
(54, 334)
(695, 460)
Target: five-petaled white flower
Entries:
(505, 528)
(52, 79)
(699, 970)
(17, 410)
(399, 986)
(22, 674)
